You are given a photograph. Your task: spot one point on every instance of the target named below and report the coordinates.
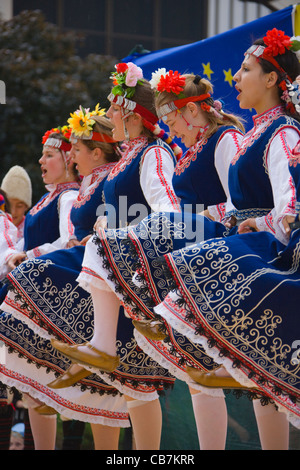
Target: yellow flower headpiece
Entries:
(81, 121)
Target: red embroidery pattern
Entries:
(7, 237)
(191, 155)
(131, 152)
(159, 171)
(261, 123)
(52, 195)
(98, 175)
(270, 222)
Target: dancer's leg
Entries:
(211, 420)
(103, 352)
(106, 314)
(43, 430)
(273, 427)
(105, 437)
(146, 419)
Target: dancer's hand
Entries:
(15, 260)
(286, 221)
(206, 213)
(248, 226)
(100, 223)
(230, 222)
(85, 240)
(73, 242)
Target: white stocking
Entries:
(211, 420)
(146, 420)
(106, 314)
(273, 427)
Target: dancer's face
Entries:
(178, 123)
(52, 166)
(115, 115)
(84, 158)
(251, 85)
(17, 210)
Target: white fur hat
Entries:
(17, 185)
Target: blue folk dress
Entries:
(138, 375)
(237, 297)
(45, 301)
(119, 262)
(162, 233)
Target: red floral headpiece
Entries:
(64, 143)
(125, 79)
(277, 42)
(172, 82)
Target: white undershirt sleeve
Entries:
(157, 169)
(283, 188)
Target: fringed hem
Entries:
(132, 386)
(173, 368)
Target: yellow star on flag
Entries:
(207, 70)
(228, 76)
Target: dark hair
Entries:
(288, 62)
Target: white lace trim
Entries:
(24, 319)
(214, 353)
(84, 406)
(172, 368)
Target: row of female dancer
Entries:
(202, 288)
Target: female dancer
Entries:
(239, 300)
(210, 133)
(31, 361)
(137, 376)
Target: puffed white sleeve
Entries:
(157, 169)
(8, 242)
(283, 189)
(226, 148)
(66, 228)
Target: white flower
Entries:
(156, 76)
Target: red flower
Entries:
(67, 134)
(277, 42)
(205, 107)
(172, 82)
(121, 68)
(46, 135)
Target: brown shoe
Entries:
(211, 380)
(45, 410)
(101, 361)
(67, 379)
(151, 329)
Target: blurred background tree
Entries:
(45, 81)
